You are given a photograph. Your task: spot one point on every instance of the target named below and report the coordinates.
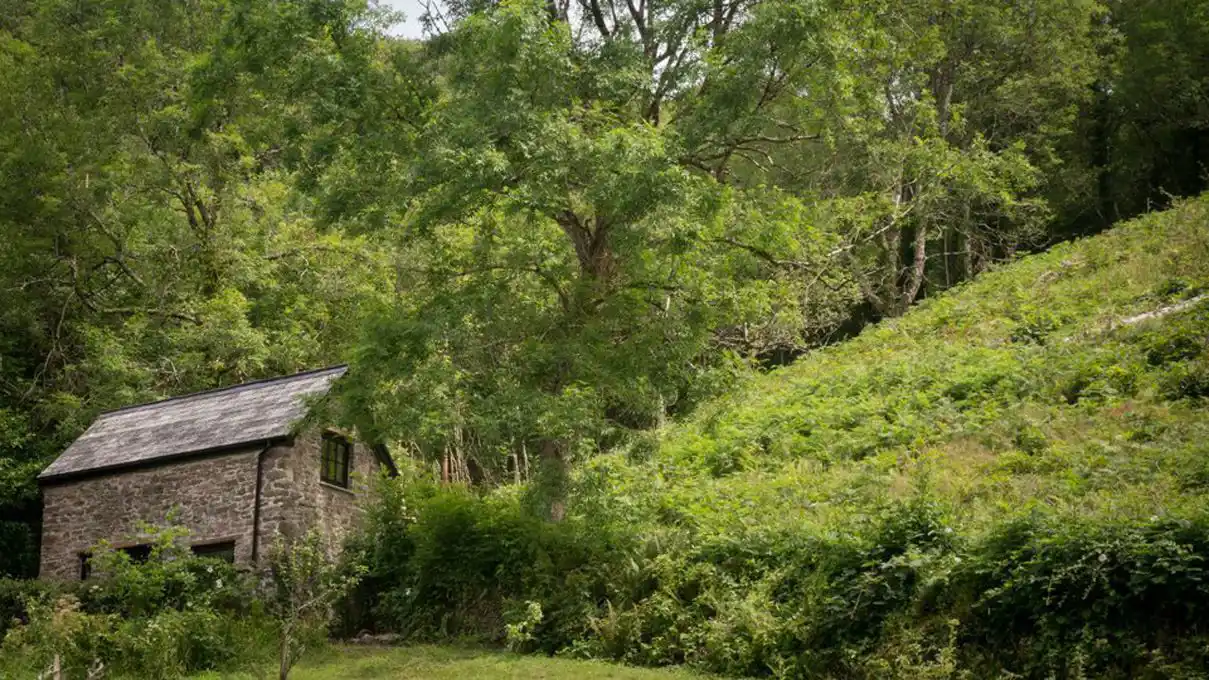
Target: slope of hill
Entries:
(1009, 481)
(1072, 379)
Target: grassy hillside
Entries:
(1071, 379)
(1009, 481)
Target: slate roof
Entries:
(259, 411)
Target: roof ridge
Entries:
(216, 390)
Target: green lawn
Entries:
(439, 663)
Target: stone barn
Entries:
(236, 466)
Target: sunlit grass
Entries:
(446, 662)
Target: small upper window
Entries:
(223, 550)
(138, 554)
(334, 462)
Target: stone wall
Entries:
(293, 499)
(340, 510)
(212, 497)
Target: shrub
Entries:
(1118, 591)
(169, 579)
(1177, 339)
(733, 607)
(1188, 380)
(170, 643)
(898, 592)
(15, 596)
(447, 567)
(164, 618)
(56, 627)
(305, 586)
(1034, 325)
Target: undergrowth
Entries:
(163, 618)
(1009, 481)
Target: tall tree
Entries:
(152, 239)
(577, 266)
(1156, 106)
(939, 163)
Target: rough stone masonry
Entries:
(228, 465)
(213, 497)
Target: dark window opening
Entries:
(335, 459)
(224, 550)
(137, 553)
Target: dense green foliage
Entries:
(1009, 478)
(163, 618)
(549, 227)
(153, 241)
(569, 248)
(172, 613)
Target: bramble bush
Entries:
(1123, 598)
(901, 589)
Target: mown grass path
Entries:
(449, 663)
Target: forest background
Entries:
(548, 228)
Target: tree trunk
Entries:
(915, 276)
(283, 666)
(554, 478)
(941, 85)
(590, 239)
